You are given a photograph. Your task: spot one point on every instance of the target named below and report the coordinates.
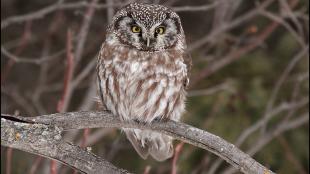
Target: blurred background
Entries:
(249, 83)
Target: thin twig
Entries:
(281, 80)
(177, 151)
(290, 155)
(195, 8)
(53, 167)
(280, 128)
(21, 46)
(64, 102)
(8, 165)
(210, 91)
(236, 22)
(147, 169)
(49, 9)
(35, 165)
(235, 54)
(36, 61)
(79, 49)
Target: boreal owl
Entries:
(143, 73)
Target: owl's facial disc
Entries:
(154, 32)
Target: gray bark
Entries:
(41, 132)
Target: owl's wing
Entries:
(100, 92)
(99, 80)
(188, 61)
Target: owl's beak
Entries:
(148, 41)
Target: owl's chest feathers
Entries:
(135, 64)
(141, 84)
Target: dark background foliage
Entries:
(249, 82)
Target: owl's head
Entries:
(147, 27)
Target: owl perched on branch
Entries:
(143, 73)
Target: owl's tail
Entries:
(146, 142)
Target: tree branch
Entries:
(45, 140)
(55, 123)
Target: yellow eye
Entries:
(160, 30)
(135, 29)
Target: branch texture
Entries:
(45, 140)
(39, 142)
